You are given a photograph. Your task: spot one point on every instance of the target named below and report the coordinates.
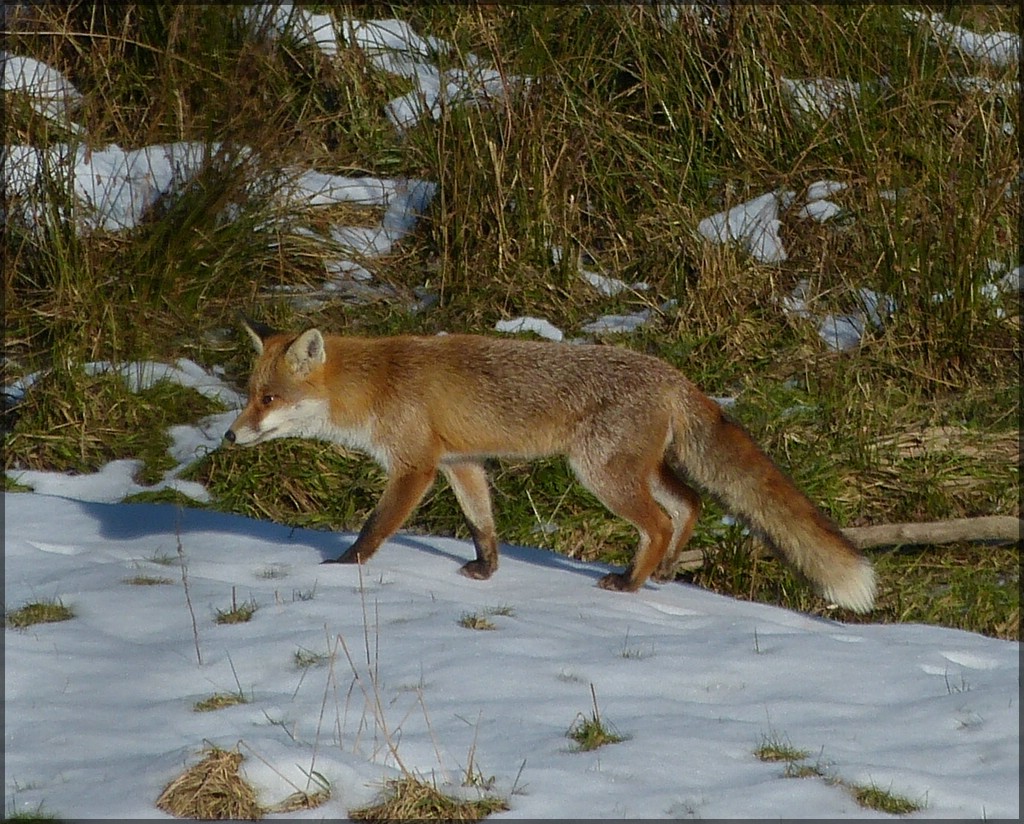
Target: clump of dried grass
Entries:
(212, 789)
(410, 799)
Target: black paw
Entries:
(616, 581)
(477, 570)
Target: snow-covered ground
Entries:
(99, 718)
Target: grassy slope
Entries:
(632, 131)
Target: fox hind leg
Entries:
(468, 481)
(683, 506)
(624, 485)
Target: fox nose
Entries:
(229, 436)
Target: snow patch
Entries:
(115, 685)
(999, 48)
(754, 224)
(821, 97)
(49, 93)
(617, 324)
(538, 326)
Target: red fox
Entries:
(635, 431)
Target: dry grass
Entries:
(411, 799)
(212, 789)
(474, 620)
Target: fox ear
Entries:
(306, 352)
(258, 332)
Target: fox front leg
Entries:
(401, 495)
(468, 481)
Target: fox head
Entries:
(284, 399)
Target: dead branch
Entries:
(994, 528)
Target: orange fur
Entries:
(636, 432)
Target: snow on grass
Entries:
(607, 286)
(48, 91)
(99, 709)
(822, 97)
(116, 480)
(754, 223)
(999, 48)
(113, 188)
(538, 326)
(617, 324)
(393, 46)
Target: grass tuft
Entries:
(872, 797)
(212, 789)
(39, 612)
(797, 770)
(302, 800)
(773, 749)
(592, 733)
(410, 799)
(239, 613)
(219, 700)
(35, 815)
(146, 581)
(304, 658)
(481, 620)
(474, 620)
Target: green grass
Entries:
(875, 798)
(10, 485)
(238, 613)
(632, 131)
(39, 612)
(475, 620)
(147, 580)
(870, 796)
(32, 816)
(773, 749)
(74, 422)
(590, 733)
(219, 700)
(305, 658)
(163, 496)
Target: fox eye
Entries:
(266, 400)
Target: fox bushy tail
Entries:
(719, 456)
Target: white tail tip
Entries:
(856, 591)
